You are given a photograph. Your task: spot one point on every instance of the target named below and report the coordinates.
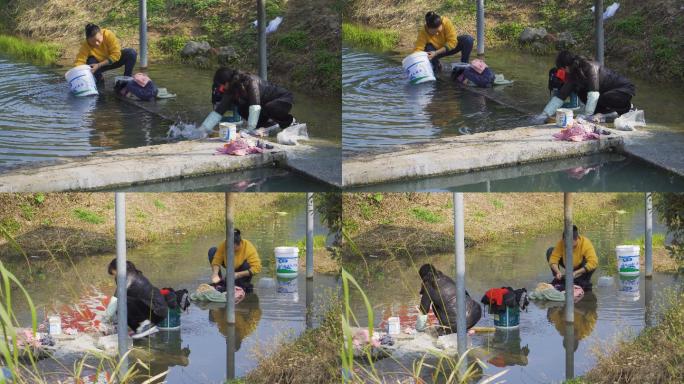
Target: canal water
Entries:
(41, 121)
(380, 109)
(277, 310)
(535, 352)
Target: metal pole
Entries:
(460, 273)
(480, 28)
(569, 341)
(309, 236)
(230, 352)
(230, 260)
(598, 21)
(309, 303)
(569, 280)
(122, 307)
(648, 240)
(648, 302)
(261, 17)
(143, 33)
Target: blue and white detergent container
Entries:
(288, 289)
(628, 289)
(418, 68)
(81, 81)
(628, 260)
(510, 318)
(287, 262)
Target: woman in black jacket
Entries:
(259, 102)
(439, 292)
(146, 305)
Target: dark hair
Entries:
(130, 267)
(233, 77)
(237, 237)
(432, 20)
(575, 233)
(91, 30)
(429, 274)
(579, 65)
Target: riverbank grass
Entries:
(35, 52)
(369, 38)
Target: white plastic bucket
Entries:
(287, 261)
(628, 260)
(628, 289)
(55, 325)
(418, 68)
(228, 131)
(81, 81)
(564, 117)
(393, 326)
(288, 289)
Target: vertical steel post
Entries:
(309, 236)
(143, 33)
(122, 306)
(230, 260)
(569, 279)
(569, 342)
(598, 21)
(309, 303)
(261, 21)
(230, 351)
(648, 238)
(480, 28)
(459, 249)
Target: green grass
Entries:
(318, 240)
(363, 37)
(425, 215)
(27, 211)
(158, 203)
(294, 40)
(88, 216)
(172, 44)
(632, 25)
(34, 52)
(508, 31)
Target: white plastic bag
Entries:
(291, 135)
(185, 131)
(630, 120)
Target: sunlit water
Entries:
(197, 353)
(41, 121)
(535, 352)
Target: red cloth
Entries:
(495, 295)
(577, 132)
(238, 147)
(560, 74)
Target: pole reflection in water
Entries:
(230, 351)
(648, 302)
(309, 303)
(569, 344)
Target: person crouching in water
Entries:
(438, 38)
(439, 292)
(102, 51)
(146, 305)
(247, 263)
(600, 89)
(261, 103)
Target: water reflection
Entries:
(585, 319)
(507, 349)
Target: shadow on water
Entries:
(41, 121)
(543, 346)
(278, 309)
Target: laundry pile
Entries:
(85, 316)
(579, 131)
(239, 147)
(548, 292)
(206, 292)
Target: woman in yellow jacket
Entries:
(247, 262)
(438, 38)
(584, 260)
(102, 51)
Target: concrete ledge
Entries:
(133, 166)
(476, 152)
(660, 148)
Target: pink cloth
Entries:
(576, 132)
(478, 65)
(239, 294)
(141, 79)
(578, 293)
(238, 147)
(361, 338)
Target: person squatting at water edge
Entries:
(146, 305)
(439, 292)
(102, 51)
(247, 263)
(438, 38)
(599, 88)
(261, 103)
(584, 261)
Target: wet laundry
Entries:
(578, 131)
(548, 292)
(206, 292)
(239, 147)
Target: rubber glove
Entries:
(110, 312)
(210, 122)
(592, 100)
(539, 119)
(552, 106)
(253, 119)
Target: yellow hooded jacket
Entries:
(584, 251)
(446, 38)
(247, 252)
(110, 49)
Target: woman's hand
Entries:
(215, 278)
(431, 54)
(94, 67)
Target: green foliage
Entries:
(155, 7)
(329, 206)
(88, 216)
(295, 40)
(328, 65)
(498, 204)
(425, 215)
(10, 225)
(664, 49)
(378, 197)
(318, 243)
(363, 37)
(39, 198)
(158, 203)
(632, 25)
(172, 44)
(274, 8)
(367, 210)
(508, 31)
(27, 211)
(34, 52)
(670, 208)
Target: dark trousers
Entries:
(614, 101)
(583, 281)
(243, 282)
(127, 60)
(274, 112)
(139, 311)
(465, 46)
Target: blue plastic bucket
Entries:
(172, 320)
(510, 318)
